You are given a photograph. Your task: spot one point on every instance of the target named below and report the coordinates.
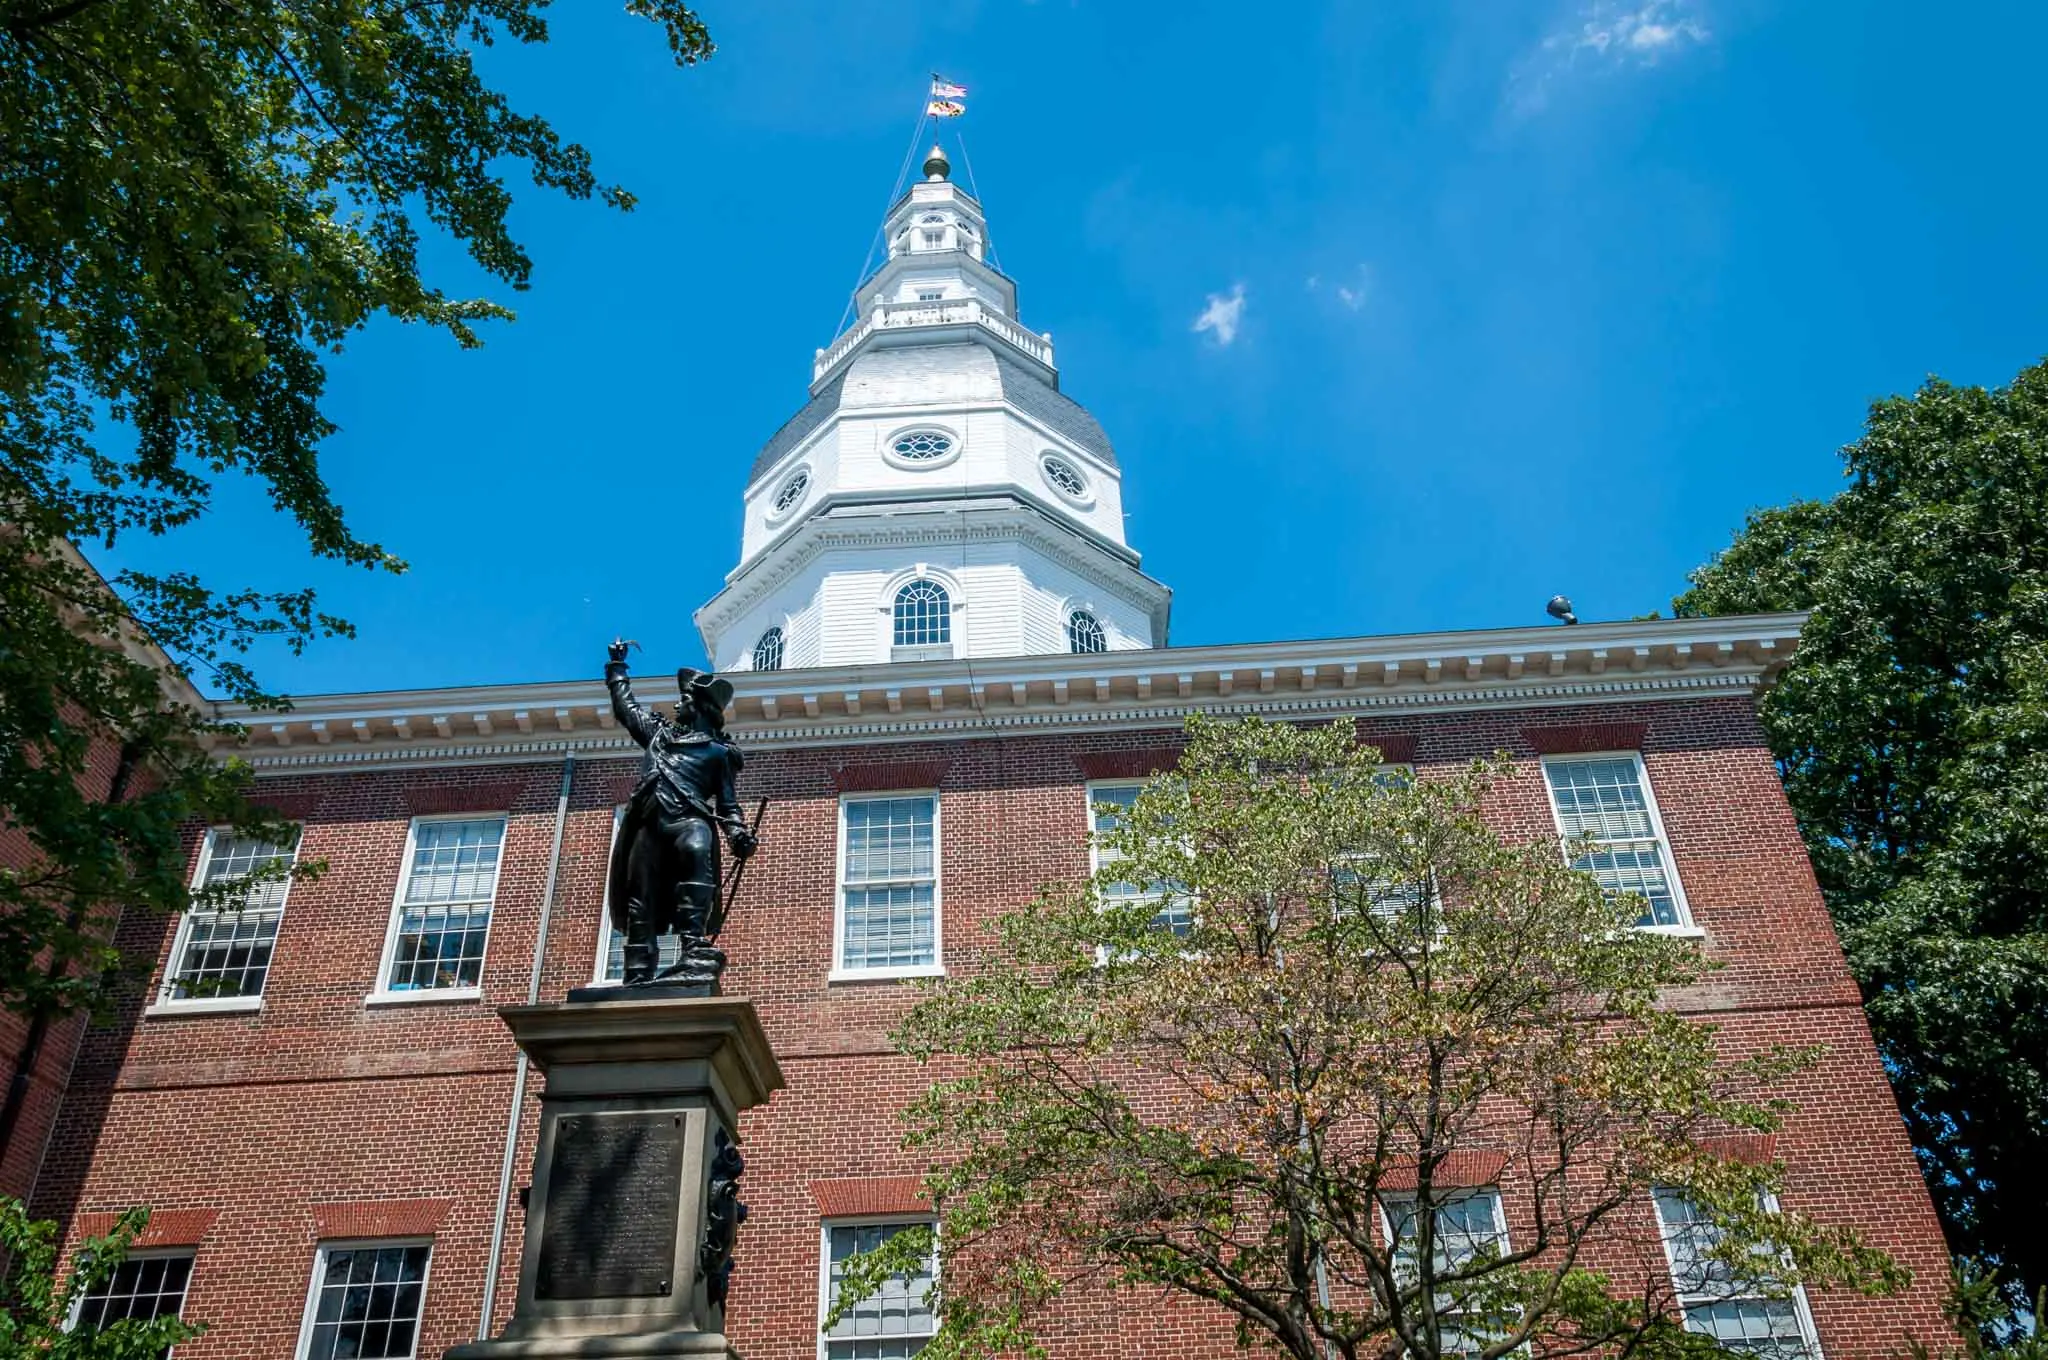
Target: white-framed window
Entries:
(897, 1320)
(1732, 1311)
(1085, 633)
(1062, 476)
(792, 491)
(768, 651)
(921, 622)
(365, 1300)
(1605, 802)
(441, 918)
(220, 958)
(934, 237)
(921, 446)
(1469, 1224)
(1107, 803)
(147, 1285)
(888, 918)
(611, 943)
(931, 295)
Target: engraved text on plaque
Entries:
(614, 1189)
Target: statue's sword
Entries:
(732, 880)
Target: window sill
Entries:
(204, 1005)
(1675, 932)
(885, 974)
(426, 996)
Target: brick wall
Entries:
(49, 1067)
(320, 1099)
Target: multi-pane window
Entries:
(934, 239)
(930, 295)
(1468, 1226)
(1603, 806)
(923, 446)
(365, 1302)
(225, 951)
(1063, 476)
(444, 904)
(888, 883)
(1107, 803)
(922, 615)
(1735, 1312)
(1084, 633)
(792, 490)
(768, 651)
(893, 1323)
(144, 1287)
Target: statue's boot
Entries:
(700, 960)
(643, 943)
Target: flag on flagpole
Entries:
(945, 108)
(946, 89)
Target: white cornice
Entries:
(1157, 687)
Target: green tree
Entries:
(36, 1307)
(199, 202)
(1372, 991)
(1912, 730)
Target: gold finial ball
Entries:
(936, 166)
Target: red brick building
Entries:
(936, 680)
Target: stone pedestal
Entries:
(643, 1096)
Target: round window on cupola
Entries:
(790, 494)
(921, 447)
(1062, 476)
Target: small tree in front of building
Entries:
(49, 1315)
(1318, 1047)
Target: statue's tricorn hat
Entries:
(715, 692)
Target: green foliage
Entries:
(1374, 986)
(35, 1307)
(199, 201)
(1912, 730)
(1984, 1317)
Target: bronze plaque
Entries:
(615, 1186)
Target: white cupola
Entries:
(938, 496)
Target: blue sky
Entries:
(1502, 298)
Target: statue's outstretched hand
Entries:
(618, 649)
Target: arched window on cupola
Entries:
(768, 651)
(922, 622)
(1084, 633)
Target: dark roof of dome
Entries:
(1022, 388)
(798, 427)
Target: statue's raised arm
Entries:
(638, 719)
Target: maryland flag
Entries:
(946, 97)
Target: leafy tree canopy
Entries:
(1912, 729)
(1373, 996)
(200, 201)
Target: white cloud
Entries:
(1632, 33)
(1222, 315)
(1351, 295)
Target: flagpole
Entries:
(916, 135)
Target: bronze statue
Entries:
(665, 865)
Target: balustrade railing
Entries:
(950, 312)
